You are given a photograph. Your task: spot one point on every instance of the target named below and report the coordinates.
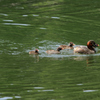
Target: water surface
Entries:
(27, 25)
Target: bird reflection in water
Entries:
(36, 58)
(89, 59)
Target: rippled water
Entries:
(45, 25)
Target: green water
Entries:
(26, 25)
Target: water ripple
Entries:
(45, 90)
(8, 20)
(89, 90)
(35, 15)
(6, 98)
(16, 24)
(56, 17)
(38, 87)
(42, 28)
(25, 15)
(3, 14)
(79, 84)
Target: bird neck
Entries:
(70, 45)
(36, 51)
(91, 48)
(58, 49)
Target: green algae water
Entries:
(46, 24)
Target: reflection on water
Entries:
(7, 98)
(10, 47)
(36, 58)
(35, 15)
(45, 90)
(79, 84)
(14, 50)
(41, 89)
(50, 24)
(38, 87)
(19, 7)
(89, 90)
(56, 17)
(8, 20)
(17, 96)
(88, 58)
(16, 24)
(3, 14)
(42, 28)
(25, 15)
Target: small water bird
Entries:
(36, 51)
(54, 51)
(89, 49)
(69, 46)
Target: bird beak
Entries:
(73, 44)
(96, 45)
(62, 48)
